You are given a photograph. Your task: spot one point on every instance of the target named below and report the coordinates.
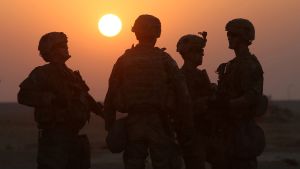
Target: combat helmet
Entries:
(49, 41)
(147, 26)
(190, 41)
(241, 27)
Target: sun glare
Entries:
(109, 25)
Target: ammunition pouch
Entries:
(116, 139)
(45, 117)
(78, 113)
(249, 140)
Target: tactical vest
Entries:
(144, 81)
(230, 76)
(68, 85)
(198, 83)
(229, 83)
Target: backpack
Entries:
(144, 80)
(249, 140)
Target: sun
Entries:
(109, 25)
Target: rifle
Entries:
(76, 94)
(96, 107)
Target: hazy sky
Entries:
(23, 22)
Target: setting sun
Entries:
(110, 25)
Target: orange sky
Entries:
(277, 43)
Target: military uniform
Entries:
(139, 85)
(241, 77)
(236, 140)
(191, 49)
(62, 106)
(61, 109)
(200, 90)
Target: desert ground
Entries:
(18, 138)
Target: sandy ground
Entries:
(18, 143)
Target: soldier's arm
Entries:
(109, 107)
(31, 91)
(184, 104)
(184, 121)
(251, 84)
(95, 107)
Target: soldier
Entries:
(191, 49)
(139, 85)
(62, 107)
(240, 88)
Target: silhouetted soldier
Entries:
(62, 107)
(191, 48)
(139, 85)
(236, 138)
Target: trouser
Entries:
(62, 149)
(234, 163)
(146, 134)
(223, 155)
(193, 151)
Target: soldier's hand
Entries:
(213, 87)
(100, 105)
(98, 109)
